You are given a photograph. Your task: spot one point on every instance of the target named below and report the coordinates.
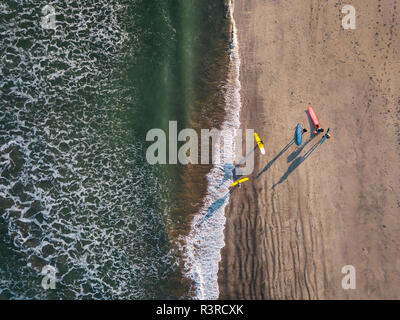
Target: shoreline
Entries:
(204, 242)
(335, 204)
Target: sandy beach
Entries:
(307, 212)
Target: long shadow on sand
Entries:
(246, 156)
(237, 176)
(213, 208)
(297, 162)
(295, 153)
(269, 164)
(229, 173)
(230, 169)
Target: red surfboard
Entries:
(313, 117)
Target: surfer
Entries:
(327, 135)
(318, 130)
(305, 130)
(240, 184)
(260, 143)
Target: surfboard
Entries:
(299, 134)
(259, 143)
(238, 181)
(313, 117)
(324, 138)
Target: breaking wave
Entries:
(206, 238)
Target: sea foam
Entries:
(206, 238)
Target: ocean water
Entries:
(206, 238)
(76, 192)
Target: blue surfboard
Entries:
(298, 134)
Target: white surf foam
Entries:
(206, 239)
(75, 197)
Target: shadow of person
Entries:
(269, 164)
(216, 205)
(296, 162)
(230, 169)
(246, 156)
(241, 162)
(229, 173)
(295, 153)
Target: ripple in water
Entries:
(75, 192)
(204, 243)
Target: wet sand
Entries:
(309, 211)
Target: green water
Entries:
(76, 103)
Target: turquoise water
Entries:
(76, 192)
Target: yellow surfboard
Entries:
(259, 143)
(238, 181)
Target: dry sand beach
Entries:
(307, 212)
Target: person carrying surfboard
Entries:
(260, 143)
(319, 129)
(238, 182)
(326, 136)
